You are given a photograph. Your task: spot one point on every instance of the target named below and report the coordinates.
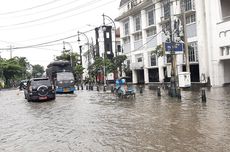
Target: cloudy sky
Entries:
(26, 23)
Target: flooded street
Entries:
(91, 121)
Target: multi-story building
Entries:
(146, 24)
(214, 39)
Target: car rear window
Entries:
(40, 82)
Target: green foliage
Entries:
(78, 71)
(110, 65)
(158, 51)
(37, 70)
(11, 70)
(68, 56)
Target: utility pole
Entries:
(173, 86)
(185, 38)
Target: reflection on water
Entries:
(98, 121)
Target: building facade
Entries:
(147, 24)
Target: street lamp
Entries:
(81, 33)
(114, 29)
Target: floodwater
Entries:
(91, 121)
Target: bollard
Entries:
(77, 87)
(86, 87)
(97, 88)
(158, 91)
(179, 93)
(92, 87)
(203, 95)
(141, 89)
(81, 87)
(104, 89)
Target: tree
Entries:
(68, 56)
(118, 61)
(37, 70)
(158, 51)
(78, 71)
(11, 70)
(14, 70)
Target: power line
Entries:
(63, 18)
(42, 11)
(45, 43)
(30, 8)
(54, 15)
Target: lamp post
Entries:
(114, 30)
(71, 53)
(79, 33)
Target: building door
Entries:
(153, 75)
(195, 74)
(140, 76)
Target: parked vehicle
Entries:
(23, 84)
(39, 89)
(61, 74)
(122, 90)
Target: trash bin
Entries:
(184, 79)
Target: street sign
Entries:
(176, 47)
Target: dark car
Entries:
(39, 89)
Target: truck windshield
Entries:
(65, 76)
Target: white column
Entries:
(134, 75)
(131, 31)
(146, 64)
(160, 60)
(202, 38)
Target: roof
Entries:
(123, 2)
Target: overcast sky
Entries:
(31, 22)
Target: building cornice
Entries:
(134, 10)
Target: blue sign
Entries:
(177, 47)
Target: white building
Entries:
(105, 42)
(145, 24)
(214, 37)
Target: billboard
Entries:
(177, 48)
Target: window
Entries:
(126, 40)
(126, 28)
(188, 5)
(150, 32)
(153, 60)
(137, 23)
(150, 16)
(168, 58)
(138, 36)
(166, 9)
(139, 59)
(193, 52)
(225, 7)
(191, 19)
(128, 64)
